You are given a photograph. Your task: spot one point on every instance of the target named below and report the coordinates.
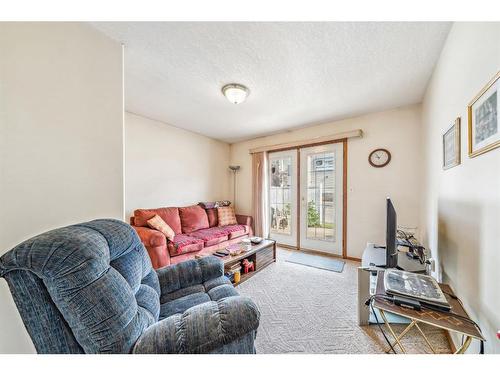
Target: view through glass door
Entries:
(319, 180)
(321, 198)
(283, 197)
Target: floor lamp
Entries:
(234, 169)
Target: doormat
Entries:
(317, 261)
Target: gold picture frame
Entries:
(451, 146)
(486, 107)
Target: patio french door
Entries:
(321, 186)
(306, 201)
(283, 197)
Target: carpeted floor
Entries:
(309, 310)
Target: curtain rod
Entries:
(311, 141)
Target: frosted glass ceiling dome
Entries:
(235, 93)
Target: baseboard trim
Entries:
(317, 252)
(286, 246)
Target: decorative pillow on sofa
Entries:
(213, 218)
(207, 205)
(222, 203)
(226, 216)
(193, 218)
(156, 222)
(170, 215)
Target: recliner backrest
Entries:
(87, 288)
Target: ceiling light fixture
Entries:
(235, 92)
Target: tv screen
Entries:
(391, 255)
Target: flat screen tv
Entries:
(391, 255)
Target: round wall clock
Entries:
(379, 158)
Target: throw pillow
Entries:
(156, 222)
(213, 220)
(226, 216)
(207, 205)
(170, 215)
(222, 203)
(193, 218)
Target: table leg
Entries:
(387, 324)
(464, 346)
(402, 334)
(425, 338)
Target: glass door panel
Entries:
(283, 197)
(321, 198)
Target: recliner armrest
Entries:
(202, 328)
(188, 273)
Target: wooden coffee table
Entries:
(262, 255)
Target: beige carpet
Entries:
(309, 310)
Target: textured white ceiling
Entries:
(299, 74)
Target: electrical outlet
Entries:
(432, 263)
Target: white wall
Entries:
(61, 138)
(397, 130)
(461, 206)
(168, 166)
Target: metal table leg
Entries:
(425, 337)
(464, 346)
(387, 324)
(408, 327)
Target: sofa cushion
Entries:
(235, 231)
(213, 218)
(183, 243)
(211, 236)
(226, 216)
(193, 218)
(156, 222)
(170, 215)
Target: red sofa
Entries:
(196, 232)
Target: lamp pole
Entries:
(234, 169)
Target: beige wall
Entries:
(461, 206)
(397, 130)
(168, 166)
(61, 138)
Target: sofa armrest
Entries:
(151, 237)
(202, 328)
(188, 273)
(244, 220)
(156, 246)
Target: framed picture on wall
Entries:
(482, 112)
(451, 145)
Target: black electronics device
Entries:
(221, 253)
(407, 302)
(391, 249)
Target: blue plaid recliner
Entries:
(90, 288)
